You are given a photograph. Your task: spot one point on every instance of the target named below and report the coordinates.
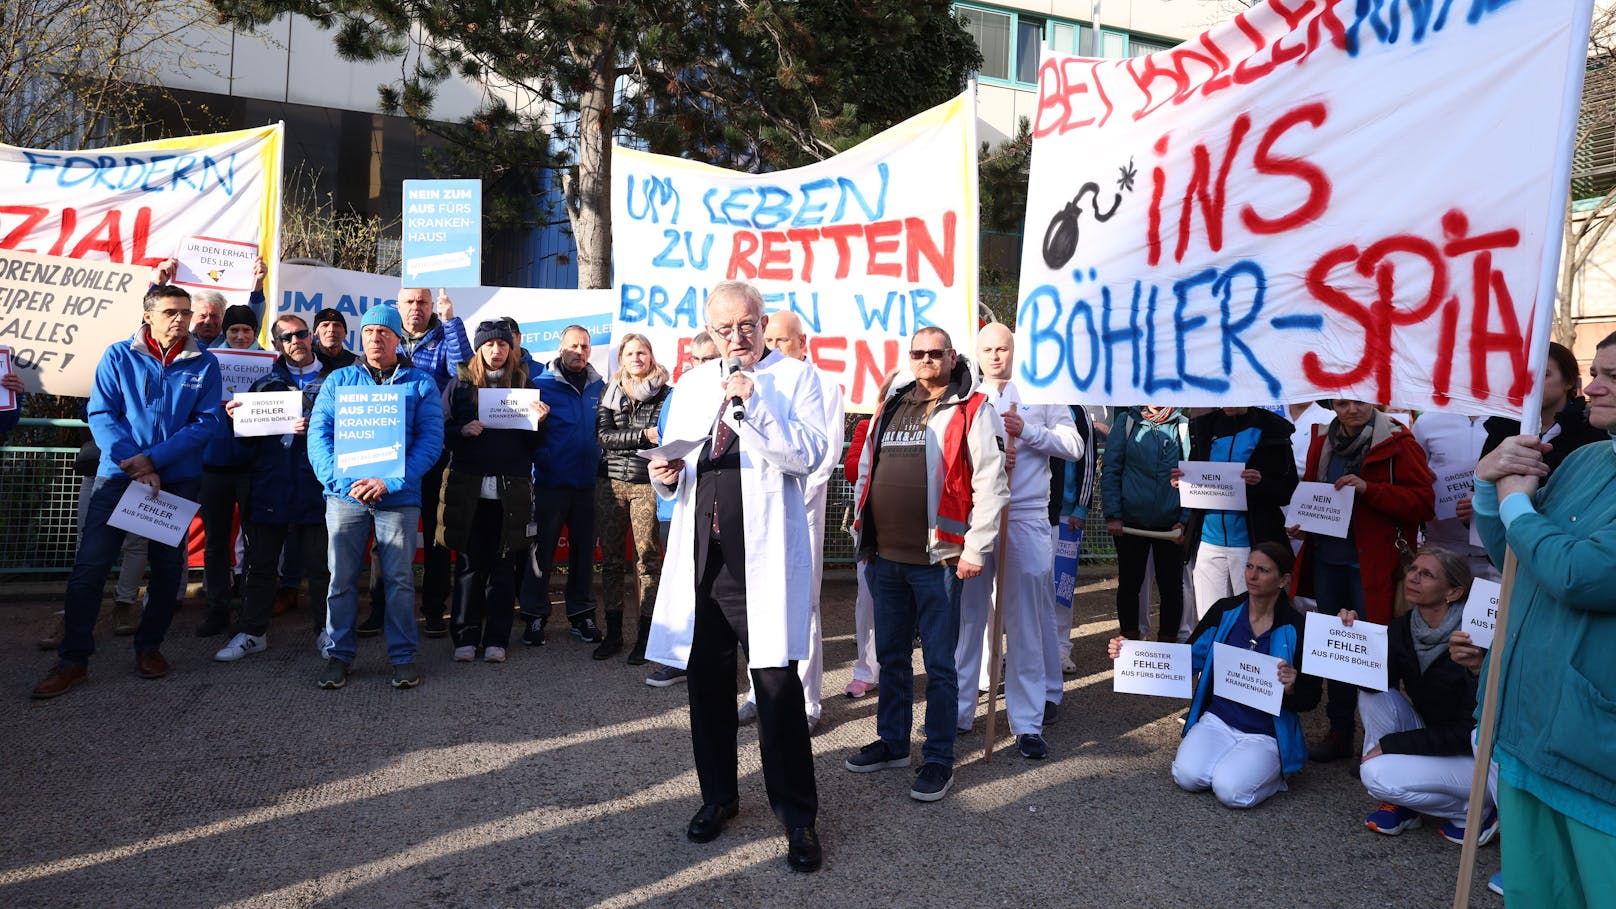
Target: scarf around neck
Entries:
(1352, 451)
(1430, 643)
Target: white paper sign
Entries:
(216, 264)
(1451, 486)
(8, 398)
(1247, 677)
(1356, 655)
(671, 451)
(267, 413)
(163, 518)
(1481, 612)
(507, 408)
(1213, 485)
(239, 369)
(1160, 669)
(1321, 508)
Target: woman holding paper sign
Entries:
(1241, 753)
(1392, 493)
(1417, 756)
(624, 502)
(487, 497)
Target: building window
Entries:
(992, 33)
(1029, 46)
(1138, 47)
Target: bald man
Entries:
(785, 333)
(1032, 685)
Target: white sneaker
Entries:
(1067, 666)
(493, 654)
(465, 654)
(240, 646)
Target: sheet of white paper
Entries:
(267, 413)
(1213, 485)
(1247, 677)
(163, 519)
(1321, 508)
(1356, 655)
(238, 369)
(1450, 488)
(1481, 612)
(507, 408)
(1158, 669)
(672, 451)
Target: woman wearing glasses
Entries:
(1417, 757)
(1241, 753)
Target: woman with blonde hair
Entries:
(625, 505)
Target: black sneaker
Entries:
(877, 756)
(665, 677)
(1032, 746)
(372, 625)
(434, 625)
(335, 675)
(216, 623)
(586, 631)
(1051, 713)
(932, 782)
(405, 675)
(533, 634)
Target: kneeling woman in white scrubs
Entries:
(1243, 754)
(1417, 750)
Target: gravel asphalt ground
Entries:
(557, 781)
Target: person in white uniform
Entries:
(785, 335)
(1037, 432)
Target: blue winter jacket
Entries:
(1557, 709)
(1286, 642)
(423, 431)
(570, 455)
(168, 413)
(284, 487)
(440, 350)
(1136, 476)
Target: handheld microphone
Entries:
(737, 407)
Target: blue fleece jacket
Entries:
(423, 431)
(440, 350)
(284, 486)
(168, 413)
(570, 455)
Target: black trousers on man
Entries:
(788, 759)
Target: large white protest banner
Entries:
(129, 206)
(1272, 211)
(542, 313)
(866, 247)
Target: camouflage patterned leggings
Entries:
(623, 509)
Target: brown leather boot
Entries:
(149, 664)
(60, 679)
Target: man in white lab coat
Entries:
(738, 565)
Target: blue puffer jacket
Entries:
(570, 455)
(1557, 710)
(284, 487)
(440, 350)
(423, 431)
(168, 413)
(1286, 642)
(1136, 477)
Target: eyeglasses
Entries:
(744, 329)
(294, 335)
(172, 315)
(936, 353)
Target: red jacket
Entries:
(855, 448)
(1398, 498)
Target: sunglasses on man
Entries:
(935, 353)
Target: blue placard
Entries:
(443, 233)
(1067, 547)
(369, 430)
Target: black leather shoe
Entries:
(803, 852)
(709, 822)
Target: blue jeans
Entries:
(348, 525)
(99, 546)
(907, 596)
(1339, 587)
